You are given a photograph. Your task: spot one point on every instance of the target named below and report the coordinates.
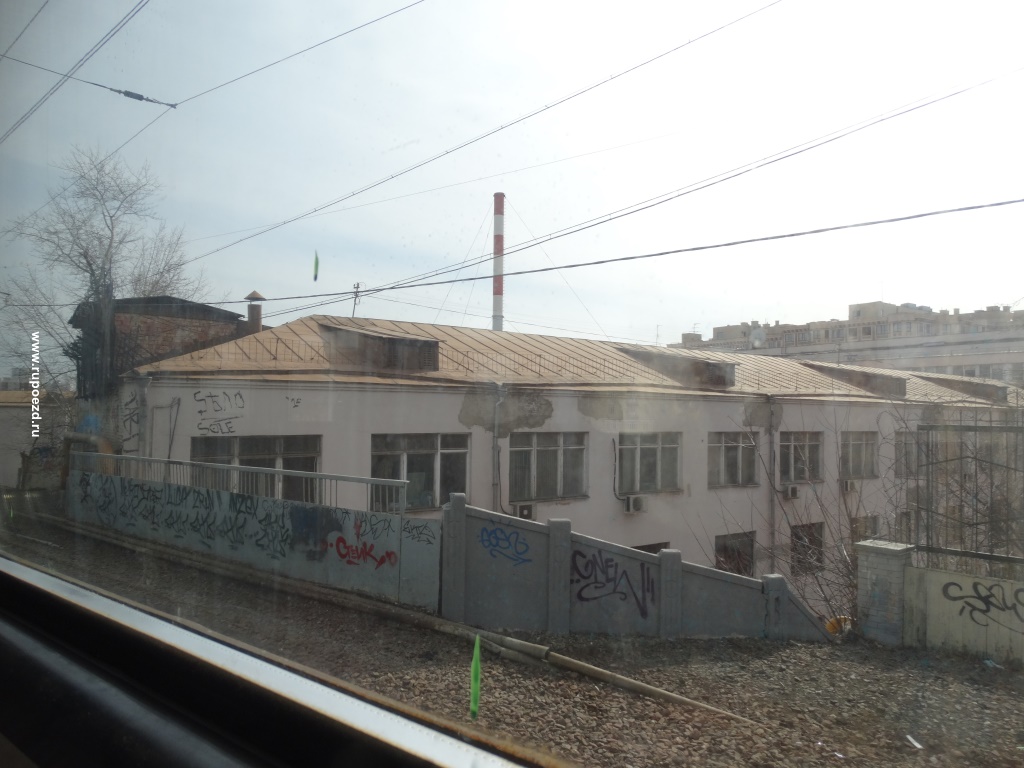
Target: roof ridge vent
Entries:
(995, 392)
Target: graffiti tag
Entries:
(988, 603)
(358, 554)
(420, 532)
(130, 424)
(601, 576)
(218, 411)
(507, 544)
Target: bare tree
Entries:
(97, 238)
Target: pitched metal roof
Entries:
(302, 350)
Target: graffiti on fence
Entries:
(420, 532)
(600, 575)
(368, 525)
(362, 553)
(508, 544)
(986, 603)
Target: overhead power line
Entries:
(299, 53)
(23, 29)
(78, 65)
(128, 94)
(343, 295)
(721, 177)
(478, 138)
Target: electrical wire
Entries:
(366, 293)
(78, 65)
(299, 53)
(448, 186)
(23, 29)
(127, 94)
(476, 139)
(552, 261)
(728, 175)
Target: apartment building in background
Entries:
(987, 343)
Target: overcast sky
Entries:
(423, 81)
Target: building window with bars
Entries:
(799, 456)
(546, 465)
(858, 455)
(436, 466)
(732, 458)
(648, 462)
(297, 453)
(807, 549)
(908, 454)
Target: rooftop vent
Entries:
(875, 383)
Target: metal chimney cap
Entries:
(255, 296)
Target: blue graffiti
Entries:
(507, 544)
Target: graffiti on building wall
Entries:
(987, 604)
(218, 411)
(419, 531)
(130, 423)
(601, 576)
(500, 542)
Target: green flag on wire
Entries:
(316, 265)
(474, 681)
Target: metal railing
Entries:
(376, 494)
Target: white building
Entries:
(753, 463)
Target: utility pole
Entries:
(355, 299)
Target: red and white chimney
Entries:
(499, 261)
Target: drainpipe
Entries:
(771, 484)
(500, 392)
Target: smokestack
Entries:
(255, 312)
(499, 261)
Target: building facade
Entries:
(753, 464)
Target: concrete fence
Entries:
(504, 573)
(378, 553)
(899, 603)
(473, 566)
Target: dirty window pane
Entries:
(572, 472)
(547, 474)
(453, 475)
(649, 469)
(520, 463)
(627, 470)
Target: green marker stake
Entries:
(474, 681)
(316, 265)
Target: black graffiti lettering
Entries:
(371, 526)
(601, 576)
(419, 532)
(987, 602)
(272, 534)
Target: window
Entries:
(734, 552)
(799, 456)
(908, 454)
(865, 332)
(807, 553)
(546, 465)
(857, 458)
(732, 458)
(298, 453)
(648, 462)
(436, 466)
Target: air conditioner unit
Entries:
(847, 486)
(792, 492)
(635, 504)
(524, 511)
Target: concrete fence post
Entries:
(559, 555)
(776, 594)
(670, 593)
(880, 589)
(453, 559)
